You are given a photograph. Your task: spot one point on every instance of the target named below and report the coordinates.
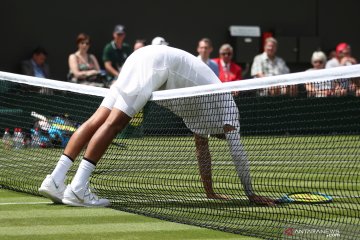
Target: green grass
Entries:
(27, 217)
(158, 177)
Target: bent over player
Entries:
(149, 69)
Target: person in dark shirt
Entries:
(116, 52)
(37, 66)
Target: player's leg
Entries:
(78, 193)
(53, 186)
(242, 165)
(85, 132)
(115, 122)
(239, 157)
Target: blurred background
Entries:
(300, 27)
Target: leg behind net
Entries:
(240, 159)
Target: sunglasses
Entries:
(226, 53)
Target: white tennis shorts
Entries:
(130, 105)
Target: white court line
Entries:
(24, 203)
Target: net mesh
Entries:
(299, 133)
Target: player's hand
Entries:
(262, 200)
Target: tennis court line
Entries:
(24, 203)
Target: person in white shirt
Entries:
(343, 57)
(146, 70)
(269, 64)
(318, 89)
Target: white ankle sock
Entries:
(62, 167)
(82, 175)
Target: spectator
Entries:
(116, 52)
(318, 89)
(355, 86)
(159, 41)
(343, 58)
(268, 64)
(204, 49)
(84, 67)
(331, 54)
(37, 66)
(139, 43)
(228, 70)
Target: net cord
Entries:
(249, 84)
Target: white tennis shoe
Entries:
(83, 198)
(50, 189)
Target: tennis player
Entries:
(146, 70)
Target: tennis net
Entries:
(300, 133)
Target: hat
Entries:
(119, 29)
(341, 47)
(159, 41)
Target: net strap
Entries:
(250, 84)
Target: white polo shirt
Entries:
(159, 67)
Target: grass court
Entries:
(158, 177)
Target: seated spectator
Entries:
(37, 66)
(228, 70)
(139, 43)
(343, 58)
(268, 64)
(84, 67)
(204, 49)
(355, 86)
(159, 41)
(331, 54)
(318, 89)
(116, 52)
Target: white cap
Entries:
(159, 41)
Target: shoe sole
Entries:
(77, 204)
(47, 194)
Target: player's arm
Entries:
(204, 161)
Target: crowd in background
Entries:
(84, 67)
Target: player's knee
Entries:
(93, 123)
(113, 127)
